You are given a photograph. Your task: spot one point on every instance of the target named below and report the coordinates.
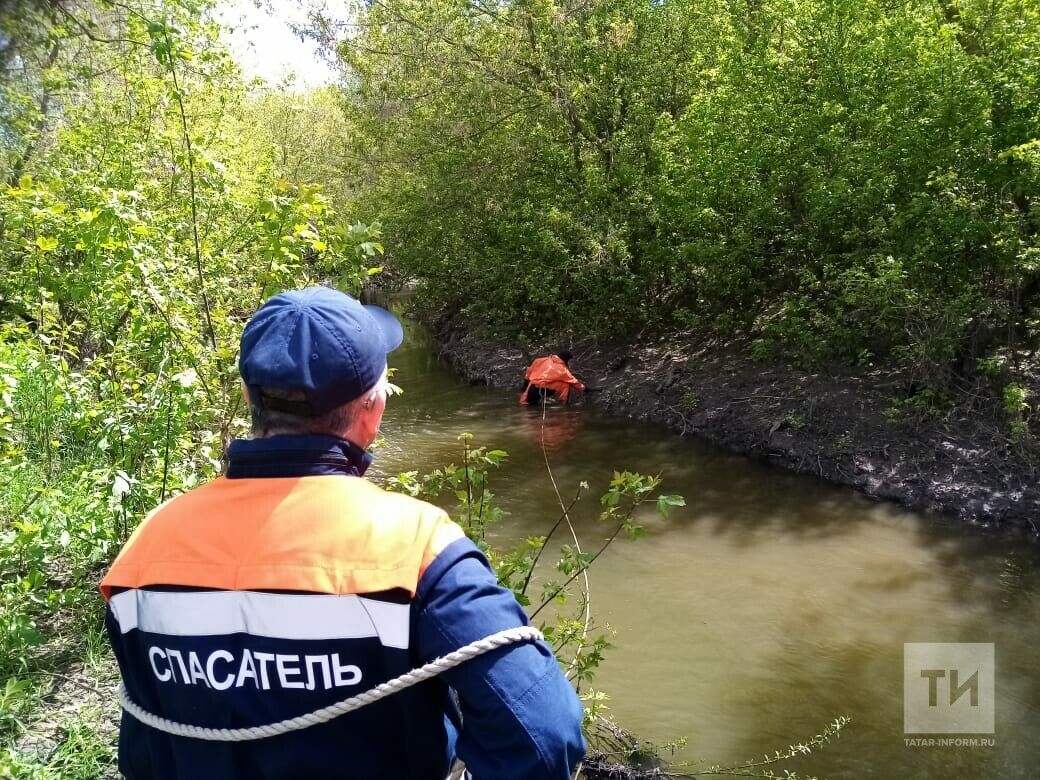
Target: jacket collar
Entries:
(296, 456)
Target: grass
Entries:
(69, 720)
(58, 713)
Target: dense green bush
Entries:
(839, 180)
(145, 212)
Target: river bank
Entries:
(853, 429)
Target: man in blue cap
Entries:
(291, 583)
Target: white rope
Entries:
(325, 714)
(577, 546)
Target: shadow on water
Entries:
(768, 605)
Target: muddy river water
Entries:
(768, 605)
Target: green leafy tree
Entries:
(144, 216)
(838, 181)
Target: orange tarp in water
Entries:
(550, 373)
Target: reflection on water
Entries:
(552, 427)
(768, 605)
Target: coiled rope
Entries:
(507, 637)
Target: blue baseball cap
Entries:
(318, 341)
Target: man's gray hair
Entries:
(275, 422)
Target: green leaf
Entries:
(666, 503)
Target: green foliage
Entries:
(691, 401)
(609, 166)
(794, 420)
(475, 510)
(309, 135)
(1017, 411)
(921, 404)
(84, 753)
(578, 651)
(144, 215)
(768, 766)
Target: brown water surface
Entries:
(766, 607)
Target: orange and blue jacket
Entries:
(550, 373)
(292, 583)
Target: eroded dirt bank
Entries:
(848, 429)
